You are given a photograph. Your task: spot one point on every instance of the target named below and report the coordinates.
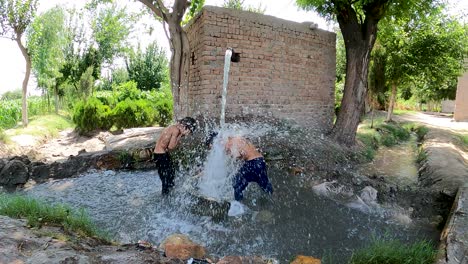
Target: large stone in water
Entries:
(14, 173)
(207, 206)
(306, 260)
(181, 247)
(243, 260)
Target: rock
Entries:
(2, 164)
(181, 247)
(242, 260)
(40, 173)
(13, 173)
(296, 170)
(264, 216)
(206, 206)
(306, 260)
(369, 195)
(108, 162)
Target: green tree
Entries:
(424, 51)
(148, 69)
(15, 17)
(240, 5)
(46, 43)
(358, 20)
(179, 43)
(111, 28)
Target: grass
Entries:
(463, 139)
(380, 133)
(3, 136)
(402, 112)
(39, 213)
(395, 252)
(43, 126)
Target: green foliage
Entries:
(195, 7)
(239, 4)
(148, 69)
(46, 43)
(10, 113)
(92, 114)
(420, 130)
(463, 139)
(16, 16)
(163, 103)
(133, 113)
(130, 108)
(111, 28)
(87, 82)
(395, 252)
(40, 213)
(12, 95)
(382, 134)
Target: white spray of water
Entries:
(220, 168)
(227, 66)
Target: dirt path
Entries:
(445, 167)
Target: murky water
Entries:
(397, 164)
(293, 221)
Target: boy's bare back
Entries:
(241, 148)
(169, 139)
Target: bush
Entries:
(10, 113)
(91, 115)
(127, 90)
(133, 113)
(394, 252)
(162, 101)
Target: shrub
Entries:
(10, 113)
(394, 252)
(127, 90)
(162, 101)
(133, 113)
(91, 115)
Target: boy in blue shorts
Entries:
(253, 168)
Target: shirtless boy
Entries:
(168, 141)
(253, 168)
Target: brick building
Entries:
(461, 101)
(286, 69)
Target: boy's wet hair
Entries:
(189, 123)
(210, 138)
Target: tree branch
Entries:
(159, 11)
(179, 8)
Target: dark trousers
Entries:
(166, 171)
(251, 171)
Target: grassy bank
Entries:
(39, 213)
(395, 252)
(43, 126)
(375, 133)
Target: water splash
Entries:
(227, 66)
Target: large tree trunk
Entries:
(179, 65)
(24, 107)
(354, 95)
(359, 40)
(391, 104)
(179, 68)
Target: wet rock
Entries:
(2, 164)
(264, 216)
(109, 161)
(369, 195)
(181, 247)
(207, 206)
(14, 173)
(296, 171)
(243, 260)
(40, 173)
(306, 260)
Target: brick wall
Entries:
(461, 101)
(286, 70)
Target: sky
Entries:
(12, 65)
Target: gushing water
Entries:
(227, 66)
